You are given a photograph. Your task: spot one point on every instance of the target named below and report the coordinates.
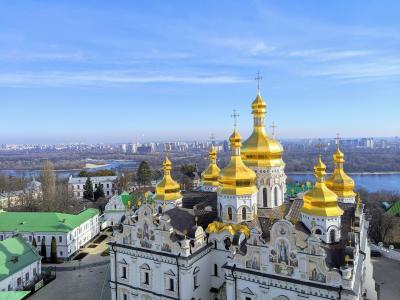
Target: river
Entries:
(370, 182)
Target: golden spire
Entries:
(210, 175)
(167, 189)
(237, 178)
(321, 201)
(339, 181)
(260, 150)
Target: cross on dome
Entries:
(235, 116)
(258, 78)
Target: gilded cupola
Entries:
(339, 182)
(210, 175)
(320, 200)
(261, 150)
(236, 178)
(168, 189)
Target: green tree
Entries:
(53, 250)
(88, 191)
(34, 244)
(43, 250)
(144, 174)
(99, 192)
(187, 169)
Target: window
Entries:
(123, 272)
(244, 213)
(38, 238)
(230, 213)
(125, 297)
(19, 281)
(34, 272)
(195, 281)
(108, 185)
(171, 284)
(26, 276)
(1, 237)
(276, 196)
(220, 210)
(30, 238)
(248, 298)
(61, 253)
(146, 278)
(318, 231)
(215, 270)
(108, 193)
(60, 239)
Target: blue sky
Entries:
(91, 71)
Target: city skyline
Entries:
(71, 72)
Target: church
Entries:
(241, 237)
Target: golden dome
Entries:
(260, 150)
(210, 175)
(321, 201)
(217, 227)
(236, 178)
(168, 189)
(339, 182)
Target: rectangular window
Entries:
(30, 238)
(19, 281)
(146, 278)
(195, 283)
(38, 238)
(60, 239)
(123, 272)
(248, 298)
(171, 284)
(215, 270)
(26, 276)
(61, 253)
(125, 297)
(1, 237)
(34, 271)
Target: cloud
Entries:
(32, 56)
(249, 46)
(329, 54)
(110, 78)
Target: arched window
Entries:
(230, 217)
(220, 210)
(244, 213)
(265, 197)
(332, 235)
(276, 196)
(160, 210)
(318, 231)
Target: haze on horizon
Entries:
(97, 72)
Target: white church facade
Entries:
(240, 237)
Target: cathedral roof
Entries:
(168, 189)
(210, 175)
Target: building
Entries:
(10, 199)
(70, 232)
(245, 239)
(77, 185)
(116, 208)
(20, 264)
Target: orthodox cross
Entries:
(337, 139)
(258, 78)
(273, 126)
(234, 116)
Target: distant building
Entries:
(116, 208)
(20, 264)
(77, 185)
(71, 232)
(10, 199)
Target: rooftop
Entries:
(43, 221)
(96, 179)
(15, 254)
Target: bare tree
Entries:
(48, 180)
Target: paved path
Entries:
(85, 280)
(387, 274)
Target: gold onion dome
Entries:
(167, 189)
(210, 175)
(236, 178)
(321, 201)
(260, 150)
(339, 182)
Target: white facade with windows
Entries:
(77, 185)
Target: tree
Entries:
(53, 250)
(187, 169)
(34, 244)
(144, 174)
(43, 250)
(48, 180)
(99, 192)
(88, 191)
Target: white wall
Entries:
(12, 281)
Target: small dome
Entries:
(321, 201)
(236, 178)
(339, 182)
(167, 189)
(210, 175)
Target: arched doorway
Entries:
(265, 197)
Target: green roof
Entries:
(125, 198)
(15, 254)
(43, 221)
(394, 209)
(13, 295)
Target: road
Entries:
(387, 274)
